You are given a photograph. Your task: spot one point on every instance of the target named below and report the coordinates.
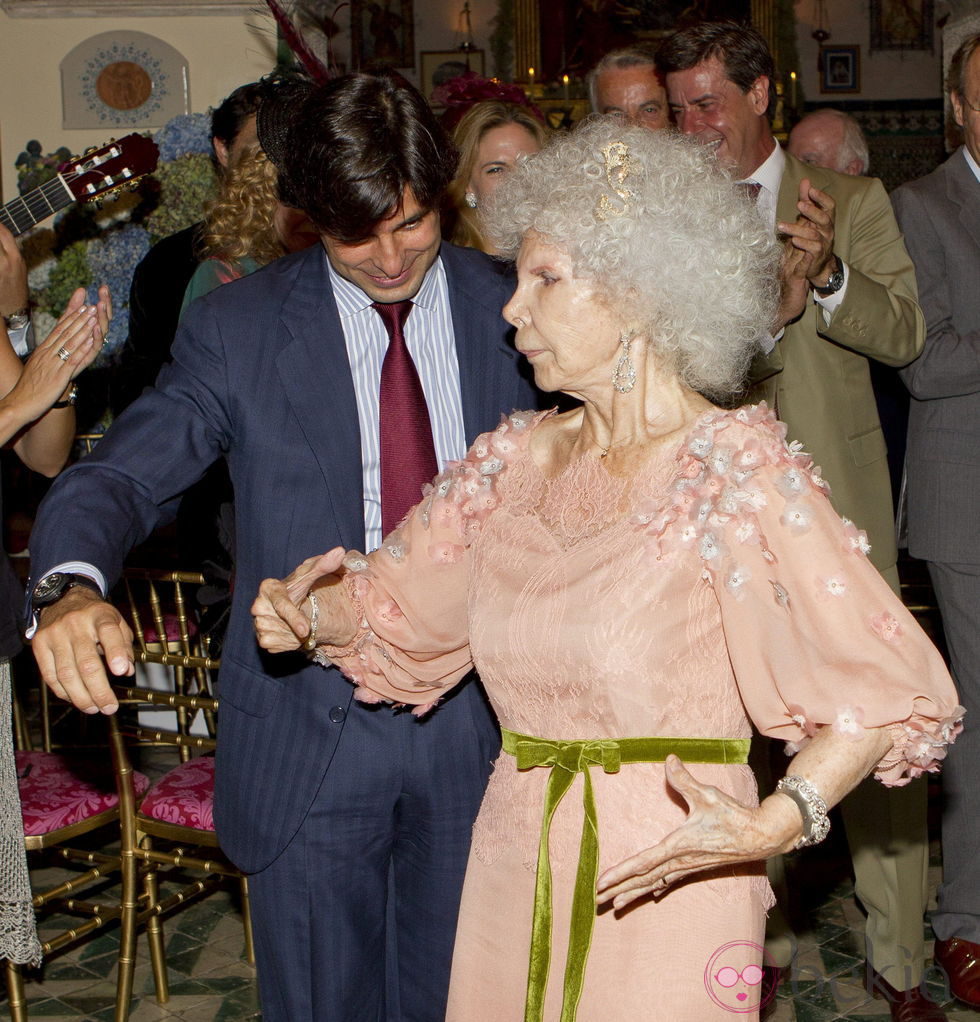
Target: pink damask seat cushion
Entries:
(185, 796)
(57, 791)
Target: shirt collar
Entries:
(971, 163)
(352, 300)
(769, 173)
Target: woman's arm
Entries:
(43, 435)
(720, 831)
(282, 611)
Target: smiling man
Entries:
(849, 296)
(334, 382)
(626, 83)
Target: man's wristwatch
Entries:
(52, 587)
(834, 284)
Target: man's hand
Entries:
(73, 636)
(13, 275)
(813, 232)
(793, 286)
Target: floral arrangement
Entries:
(89, 246)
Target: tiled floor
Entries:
(210, 979)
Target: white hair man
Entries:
(832, 139)
(627, 83)
(940, 217)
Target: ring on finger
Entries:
(63, 353)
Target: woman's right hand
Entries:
(47, 374)
(281, 626)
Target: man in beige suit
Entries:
(849, 295)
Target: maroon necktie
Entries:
(750, 189)
(408, 456)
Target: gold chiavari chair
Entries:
(167, 835)
(168, 643)
(64, 799)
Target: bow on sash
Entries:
(566, 759)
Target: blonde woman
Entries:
(491, 137)
(247, 226)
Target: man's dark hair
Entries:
(228, 118)
(742, 50)
(355, 144)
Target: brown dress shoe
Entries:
(906, 1005)
(960, 960)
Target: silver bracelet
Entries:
(813, 809)
(310, 641)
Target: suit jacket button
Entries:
(337, 714)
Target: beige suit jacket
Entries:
(818, 377)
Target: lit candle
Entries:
(530, 75)
(564, 82)
(792, 89)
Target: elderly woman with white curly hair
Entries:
(638, 581)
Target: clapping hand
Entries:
(813, 232)
(719, 831)
(68, 349)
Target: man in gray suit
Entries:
(940, 216)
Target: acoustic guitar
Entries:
(97, 174)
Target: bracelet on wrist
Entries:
(310, 642)
(19, 319)
(813, 809)
(69, 399)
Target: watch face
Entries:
(50, 587)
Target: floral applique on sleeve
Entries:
(410, 594)
(816, 637)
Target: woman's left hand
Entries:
(719, 831)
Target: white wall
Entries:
(222, 53)
(884, 75)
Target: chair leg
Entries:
(247, 923)
(154, 928)
(15, 993)
(22, 734)
(45, 718)
(127, 936)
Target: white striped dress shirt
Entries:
(431, 343)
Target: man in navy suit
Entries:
(353, 821)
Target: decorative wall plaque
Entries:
(123, 80)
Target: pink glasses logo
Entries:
(733, 977)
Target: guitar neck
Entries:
(25, 211)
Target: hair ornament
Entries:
(619, 165)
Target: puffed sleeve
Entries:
(815, 636)
(410, 595)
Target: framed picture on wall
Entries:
(840, 68)
(438, 66)
(382, 33)
(902, 24)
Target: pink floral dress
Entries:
(714, 590)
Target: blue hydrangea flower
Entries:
(112, 259)
(183, 135)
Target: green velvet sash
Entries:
(566, 759)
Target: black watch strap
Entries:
(53, 586)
